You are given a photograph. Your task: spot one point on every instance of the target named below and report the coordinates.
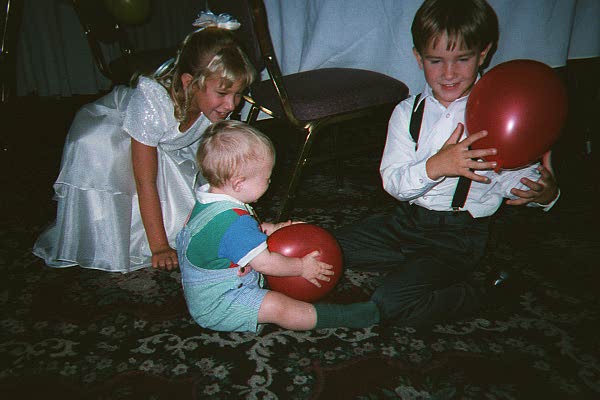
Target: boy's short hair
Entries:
(227, 146)
(470, 23)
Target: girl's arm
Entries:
(145, 169)
(308, 267)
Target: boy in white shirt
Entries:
(433, 241)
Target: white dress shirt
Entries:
(403, 168)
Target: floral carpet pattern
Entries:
(83, 334)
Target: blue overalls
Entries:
(218, 299)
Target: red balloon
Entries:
(298, 240)
(523, 106)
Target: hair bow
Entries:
(223, 21)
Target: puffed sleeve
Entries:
(149, 114)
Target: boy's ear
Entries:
(186, 79)
(483, 54)
(418, 57)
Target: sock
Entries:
(355, 315)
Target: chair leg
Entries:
(288, 198)
(252, 115)
(11, 17)
(339, 163)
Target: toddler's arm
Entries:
(308, 267)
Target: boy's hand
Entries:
(268, 228)
(543, 191)
(456, 159)
(314, 270)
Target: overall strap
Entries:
(464, 184)
(199, 221)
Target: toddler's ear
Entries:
(237, 183)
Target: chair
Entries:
(10, 14)
(100, 29)
(308, 100)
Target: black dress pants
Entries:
(428, 256)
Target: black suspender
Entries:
(463, 185)
(415, 119)
(460, 194)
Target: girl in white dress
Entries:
(128, 171)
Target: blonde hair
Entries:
(209, 53)
(227, 147)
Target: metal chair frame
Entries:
(113, 32)
(10, 23)
(310, 128)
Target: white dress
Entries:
(98, 222)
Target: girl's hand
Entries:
(314, 270)
(456, 159)
(165, 259)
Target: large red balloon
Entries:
(298, 240)
(523, 106)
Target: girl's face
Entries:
(450, 73)
(213, 100)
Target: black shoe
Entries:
(500, 279)
(499, 288)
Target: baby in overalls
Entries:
(223, 252)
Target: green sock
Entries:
(355, 315)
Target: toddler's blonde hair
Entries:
(227, 147)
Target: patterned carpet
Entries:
(80, 334)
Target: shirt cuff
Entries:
(547, 207)
(423, 177)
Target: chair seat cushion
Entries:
(327, 92)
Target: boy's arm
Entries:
(268, 228)
(403, 171)
(408, 174)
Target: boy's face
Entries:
(450, 73)
(255, 183)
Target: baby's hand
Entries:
(314, 270)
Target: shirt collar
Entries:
(204, 196)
